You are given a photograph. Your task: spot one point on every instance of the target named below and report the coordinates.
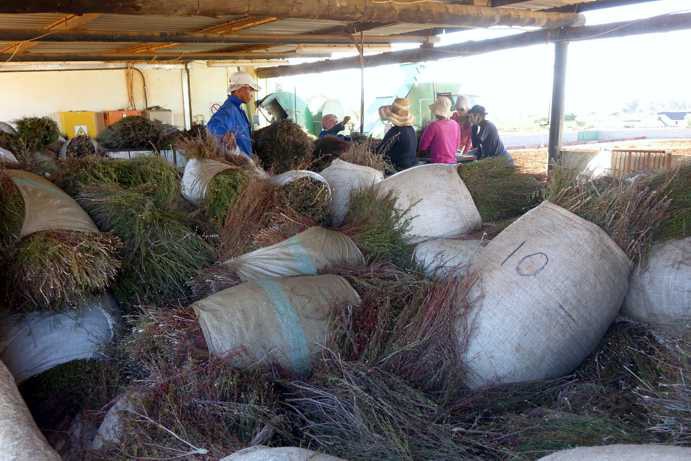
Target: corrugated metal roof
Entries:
(28, 21)
(76, 47)
(292, 26)
(133, 23)
(198, 47)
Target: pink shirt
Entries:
(441, 138)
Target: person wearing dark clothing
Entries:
(331, 126)
(399, 145)
(485, 137)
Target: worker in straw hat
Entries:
(230, 118)
(400, 142)
(486, 141)
(442, 136)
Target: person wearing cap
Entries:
(399, 145)
(461, 117)
(441, 137)
(486, 141)
(230, 118)
(331, 126)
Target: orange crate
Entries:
(114, 116)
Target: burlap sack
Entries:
(440, 204)
(282, 321)
(20, 439)
(344, 178)
(306, 253)
(622, 453)
(48, 208)
(261, 453)
(549, 287)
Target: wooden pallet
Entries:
(625, 161)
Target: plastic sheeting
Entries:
(660, 290)
(440, 204)
(282, 321)
(344, 178)
(622, 453)
(549, 287)
(443, 257)
(306, 253)
(20, 438)
(38, 341)
(48, 208)
(197, 176)
(261, 453)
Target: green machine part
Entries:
(292, 106)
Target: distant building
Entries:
(676, 119)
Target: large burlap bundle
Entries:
(282, 321)
(622, 453)
(306, 253)
(261, 453)
(20, 439)
(33, 343)
(443, 257)
(660, 290)
(344, 178)
(197, 176)
(549, 287)
(440, 204)
(48, 208)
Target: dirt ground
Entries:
(535, 160)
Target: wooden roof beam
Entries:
(143, 37)
(662, 23)
(338, 10)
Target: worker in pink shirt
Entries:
(442, 136)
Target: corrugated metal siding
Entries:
(28, 21)
(292, 26)
(133, 23)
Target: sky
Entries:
(603, 76)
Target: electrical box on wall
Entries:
(76, 123)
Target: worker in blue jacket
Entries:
(230, 118)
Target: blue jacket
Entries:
(231, 118)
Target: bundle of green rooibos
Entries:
(365, 153)
(630, 211)
(308, 197)
(678, 188)
(378, 227)
(263, 215)
(50, 269)
(499, 190)
(150, 174)
(37, 133)
(161, 251)
(134, 133)
(283, 146)
(226, 186)
(80, 146)
(326, 150)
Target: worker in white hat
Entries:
(230, 118)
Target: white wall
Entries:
(25, 94)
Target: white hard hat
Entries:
(240, 79)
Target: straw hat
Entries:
(398, 113)
(441, 107)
